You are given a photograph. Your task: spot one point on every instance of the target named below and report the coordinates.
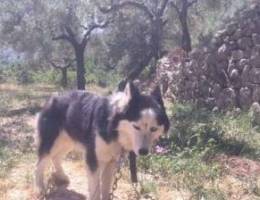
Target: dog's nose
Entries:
(143, 151)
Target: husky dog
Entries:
(104, 126)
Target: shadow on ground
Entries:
(65, 194)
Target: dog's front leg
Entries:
(107, 178)
(94, 184)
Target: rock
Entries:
(254, 75)
(227, 39)
(231, 66)
(231, 28)
(255, 60)
(256, 49)
(255, 114)
(226, 99)
(256, 38)
(245, 74)
(195, 53)
(237, 34)
(245, 43)
(216, 90)
(215, 109)
(223, 65)
(256, 94)
(243, 62)
(245, 97)
(223, 52)
(237, 55)
(234, 75)
(211, 59)
(232, 45)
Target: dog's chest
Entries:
(107, 151)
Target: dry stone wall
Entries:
(224, 74)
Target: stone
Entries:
(234, 75)
(256, 94)
(247, 53)
(223, 65)
(245, 43)
(237, 34)
(254, 75)
(216, 90)
(227, 39)
(231, 28)
(255, 60)
(256, 49)
(237, 55)
(226, 99)
(244, 62)
(245, 74)
(256, 38)
(211, 59)
(255, 114)
(245, 97)
(195, 53)
(215, 109)
(232, 45)
(231, 67)
(223, 52)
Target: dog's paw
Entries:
(39, 194)
(60, 179)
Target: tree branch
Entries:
(69, 36)
(91, 28)
(116, 7)
(174, 5)
(163, 7)
(66, 65)
(61, 37)
(192, 2)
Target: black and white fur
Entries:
(104, 127)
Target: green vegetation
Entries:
(189, 160)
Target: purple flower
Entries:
(160, 150)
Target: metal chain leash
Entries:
(118, 176)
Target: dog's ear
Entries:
(156, 94)
(129, 92)
(121, 85)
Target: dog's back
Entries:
(77, 112)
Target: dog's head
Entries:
(139, 119)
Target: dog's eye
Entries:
(153, 129)
(137, 127)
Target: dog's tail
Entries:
(49, 124)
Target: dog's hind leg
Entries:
(43, 162)
(62, 146)
(60, 177)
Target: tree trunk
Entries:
(64, 79)
(140, 67)
(80, 68)
(186, 39)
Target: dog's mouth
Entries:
(142, 152)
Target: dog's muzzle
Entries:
(143, 151)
